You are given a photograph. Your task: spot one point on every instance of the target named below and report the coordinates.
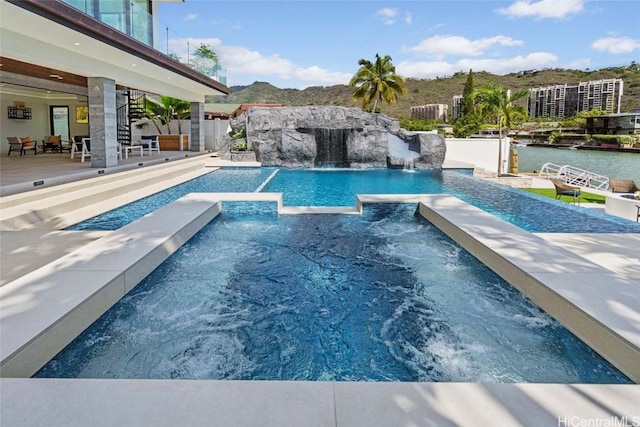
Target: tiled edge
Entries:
(46, 309)
(589, 300)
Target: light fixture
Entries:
(54, 76)
(77, 44)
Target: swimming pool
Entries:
(339, 187)
(384, 296)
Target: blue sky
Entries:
(297, 44)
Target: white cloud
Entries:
(616, 44)
(542, 9)
(457, 45)
(431, 69)
(408, 18)
(243, 64)
(190, 17)
(388, 15)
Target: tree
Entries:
(497, 102)
(206, 60)
(467, 96)
(162, 112)
(377, 81)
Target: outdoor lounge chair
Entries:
(150, 142)
(564, 189)
(623, 186)
(22, 145)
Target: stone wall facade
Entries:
(320, 136)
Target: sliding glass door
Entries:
(59, 119)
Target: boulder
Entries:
(331, 136)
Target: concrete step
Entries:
(47, 209)
(53, 191)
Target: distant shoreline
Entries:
(587, 147)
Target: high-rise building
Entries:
(568, 100)
(430, 112)
(457, 107)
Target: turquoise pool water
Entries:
(384, 296)
(339, 187)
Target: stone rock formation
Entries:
(330, 136)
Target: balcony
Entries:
(132, 18)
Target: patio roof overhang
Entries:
(53, 35)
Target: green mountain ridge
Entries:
(437, 91)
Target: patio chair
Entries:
(65, 146)
(150, 142)
(22, 145)
(53, 143)
(564, 189)
(623, 186)
(81, 144)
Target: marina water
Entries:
(608, 163)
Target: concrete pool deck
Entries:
(37, 311)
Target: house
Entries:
(614, 124)
(78, 67)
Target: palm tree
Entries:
(377, 81)
(166, 109)
(498, 101)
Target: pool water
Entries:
(339, 187)
(384, 296)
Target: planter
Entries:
(174, 142)
(243, 156)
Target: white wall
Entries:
(481, 152)
(213, 130)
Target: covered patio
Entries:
(29, 172)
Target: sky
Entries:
(297, 44)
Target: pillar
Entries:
(103, 122)
(196, 141)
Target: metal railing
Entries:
(575, 176)
(132, 18)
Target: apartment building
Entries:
(62, 56)
(430, 112)
(456, 104)
(568, 100)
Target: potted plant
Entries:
(161, 112)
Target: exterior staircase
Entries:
(132, 110)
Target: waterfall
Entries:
(331, 147)
(408, 166)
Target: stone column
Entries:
(102, 122)
(196, 141)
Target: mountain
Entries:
(437, 91)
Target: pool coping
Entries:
(82, 402)
(42, 311)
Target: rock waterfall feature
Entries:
(329, 136)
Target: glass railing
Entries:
(132, 18)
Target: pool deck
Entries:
(589, 281)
